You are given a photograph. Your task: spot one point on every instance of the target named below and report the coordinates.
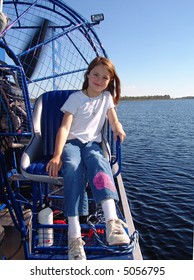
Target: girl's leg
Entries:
(99, 173)
(104, 191)
(75, 242)
(74, 229)
(109, 209)
(75, 197)
(73, 170)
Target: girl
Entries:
(79, 155)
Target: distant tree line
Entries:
(149, 97)
(186, 97)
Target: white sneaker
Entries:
(115, 232)
(76, 249)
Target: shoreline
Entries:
(153, 97)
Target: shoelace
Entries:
(118, 226)
(76, 246)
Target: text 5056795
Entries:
(150, 270)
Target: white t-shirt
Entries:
(89, 115)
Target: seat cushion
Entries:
(38, 167)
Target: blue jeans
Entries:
(84, 163)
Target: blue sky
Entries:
(151, 43)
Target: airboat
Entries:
(45, 48)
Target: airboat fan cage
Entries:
(53, 43)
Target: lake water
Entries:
(158, 173)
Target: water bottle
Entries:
(45, 235)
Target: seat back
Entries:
(51, 118)
(47, 118)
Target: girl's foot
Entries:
(115, 233)
(76, 249)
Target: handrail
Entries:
(118, 158)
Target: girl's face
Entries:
(98, 79)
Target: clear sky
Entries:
(151, 43)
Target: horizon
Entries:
(157, 96)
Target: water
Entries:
(158, 173)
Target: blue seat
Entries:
(47, 118)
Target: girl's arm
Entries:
(116, 125)
(55, 163)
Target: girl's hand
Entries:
(121, 134)
(53, 166)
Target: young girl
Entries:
(79, 155)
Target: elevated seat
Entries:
(47, 118)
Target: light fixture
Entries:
(97, 18)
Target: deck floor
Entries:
(11, 246)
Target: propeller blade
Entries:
(30, 60)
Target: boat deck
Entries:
(11, 244)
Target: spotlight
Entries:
(97, 18)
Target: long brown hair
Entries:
(114, 86)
